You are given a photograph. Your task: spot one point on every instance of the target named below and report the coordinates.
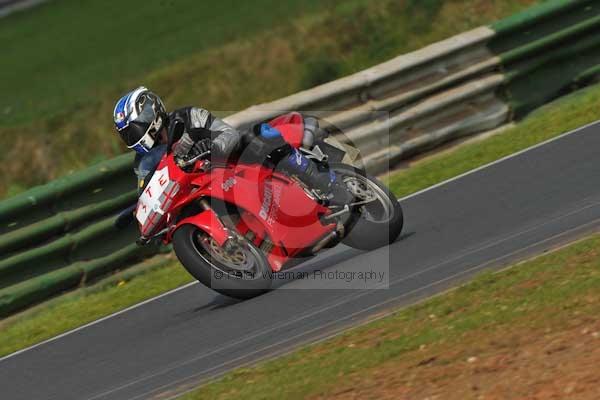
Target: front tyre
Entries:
(376, 223)
(241, 272)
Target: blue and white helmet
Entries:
(139, 116)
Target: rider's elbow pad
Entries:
(226, 142)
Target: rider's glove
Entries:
(202, 146)
(183, 146)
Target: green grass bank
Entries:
(56, 103)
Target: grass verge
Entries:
(77, 308)
(87, 46)
(504, 335)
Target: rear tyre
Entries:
(377, 223)
(242, 272)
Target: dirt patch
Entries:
(514, 364)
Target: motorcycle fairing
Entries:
(291, 127)
(273, 206)
(289, 216)
(155, 200)
(209, 222)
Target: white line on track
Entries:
(402, 199)
(98, 320)
(508, 157)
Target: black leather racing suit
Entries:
(199, 124)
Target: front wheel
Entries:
(379, 220)
(241, 271)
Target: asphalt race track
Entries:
(514, 208)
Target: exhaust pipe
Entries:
(337, 234)
(324, 242)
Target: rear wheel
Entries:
(241, 271)
(379, 220)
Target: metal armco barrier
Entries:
(548, 51)
(54, 237)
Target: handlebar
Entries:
(191, 161)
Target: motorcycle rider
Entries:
(142, 122)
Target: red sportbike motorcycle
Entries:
(233, 225)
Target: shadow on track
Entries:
(331, 257)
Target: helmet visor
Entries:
(141, 136)
(146, 111)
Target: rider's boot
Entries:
(324, 180)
